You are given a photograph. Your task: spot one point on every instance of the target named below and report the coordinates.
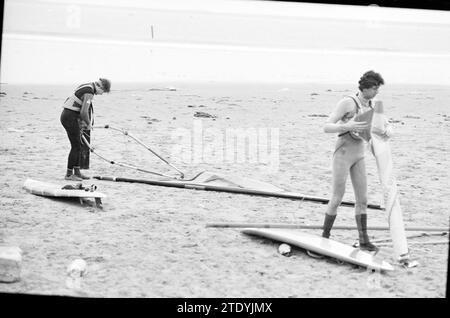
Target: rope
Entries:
(83, 138)
(126, 133)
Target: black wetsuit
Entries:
(70, 119)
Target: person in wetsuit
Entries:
(76, 113)
(348, 157)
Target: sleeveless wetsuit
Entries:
(70, 118)
(350, 149)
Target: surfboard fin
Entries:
(314, 255)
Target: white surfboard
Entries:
(52, 190)
(381, 150)
(323, 246)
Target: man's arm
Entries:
(343, 107)
(84, 112)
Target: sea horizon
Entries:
(227, 41)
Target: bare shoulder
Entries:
(344, 107)
(346, 104)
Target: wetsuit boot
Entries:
(328, 224)
(79, 174)
(71, 177)
(364, 242)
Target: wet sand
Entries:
(152, 241)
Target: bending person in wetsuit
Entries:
(76, 111)
(348, 157)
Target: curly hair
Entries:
(106, 84)
(370, 79)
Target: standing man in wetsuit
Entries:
(76, 113)
(348, 157)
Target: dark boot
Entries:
(364, 242)
(328, 224)
(69, 172)
(79, 174)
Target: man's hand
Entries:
(85, 126)
(355, 126)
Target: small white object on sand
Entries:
(284, 249)
(10, 263)
(77, 268)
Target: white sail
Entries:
(382, 151)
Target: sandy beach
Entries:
(152, 241)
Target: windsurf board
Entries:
(323, 246)
(52, 190)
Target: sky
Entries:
(59, 42)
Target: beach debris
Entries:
(75, 271)
(285, 249)
(150, 120)
(317, 115)
(2, 94)
(10, 264)
(189, 245)
(78, 268)
(395, 121)
(409, 264)
(204, 115)
(314, 94)
(411, 116)
(192, 106)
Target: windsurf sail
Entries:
(207, 181)
(382, 152)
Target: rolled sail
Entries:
(382, 151)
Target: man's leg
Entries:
(339, 179)
(71, 126)
(359, 182)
